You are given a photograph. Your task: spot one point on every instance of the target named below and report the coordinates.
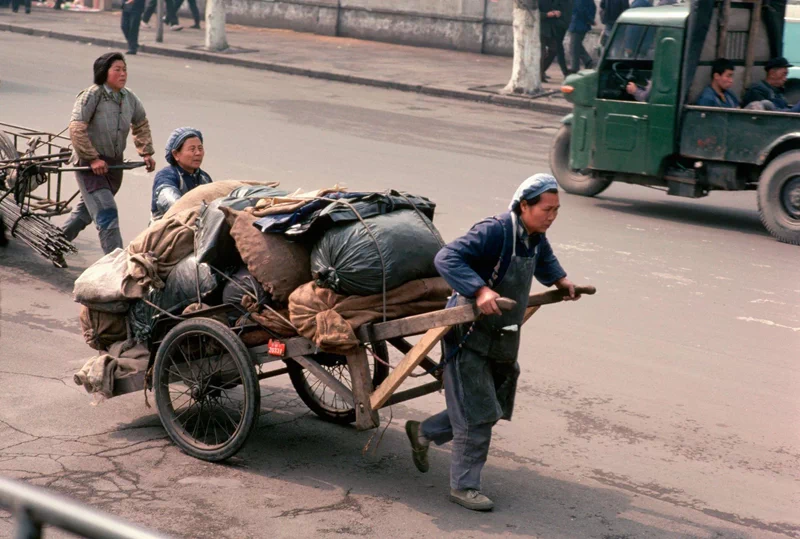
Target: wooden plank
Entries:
(427, 363)
(752, 40)
(722, 29)
(410, 362)
(415, 325)
(326, 378)
(530, 311)
(366, 416)
(295, 346)
(413, 393)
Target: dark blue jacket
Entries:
(762, 91)
(467, 263)
(710, 98)
(583, 12)
(171, 176)
(610, 10)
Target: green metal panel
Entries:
(582, 134)
(636, 137)
(672, 16)
(735, 135)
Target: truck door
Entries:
(635, 134)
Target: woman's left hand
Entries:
(149, 163)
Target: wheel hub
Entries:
(790, 197)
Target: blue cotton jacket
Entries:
(710, 98)
(583, 13)
(467, 263)
(174, 177)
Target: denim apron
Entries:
(487, 367)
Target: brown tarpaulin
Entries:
(330, 320)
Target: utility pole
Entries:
(160, 21)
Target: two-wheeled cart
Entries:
(206, 379)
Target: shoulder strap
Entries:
(496, 270)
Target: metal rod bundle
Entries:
(42, 236)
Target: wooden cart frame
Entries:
(203, 380)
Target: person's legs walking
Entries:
(131, 19)
(103, 209)
(560, 53)
(195, 12)
(149, 10)
(77, 220)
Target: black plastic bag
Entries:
(348, 260)
(242, 283)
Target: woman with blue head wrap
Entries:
(184, 152)
(499, 256)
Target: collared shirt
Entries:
(710, 98)
(109, 120)
(467, 263)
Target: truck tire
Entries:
(779, 197)
(570, 180)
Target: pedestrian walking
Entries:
(131, 19)
(170, 18)
(610, 10)
(583, 14)
(16, 3)
(499, 256)
(102, 116)
(555, 17)
(193, 9)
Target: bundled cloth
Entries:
(101, 329)
(382, 253)
(123, 359)
(208, 193)
(330, 320)
(100, 285)
(279, 265)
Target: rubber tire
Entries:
(251, 389)
(569, 180)
(770, 207)
(343, 417)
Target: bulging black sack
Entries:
(347, 259)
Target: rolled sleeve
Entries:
(548, 269)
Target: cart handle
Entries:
(546, 298)
(127, 165)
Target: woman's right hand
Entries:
(99, 167)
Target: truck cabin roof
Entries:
(673, 16)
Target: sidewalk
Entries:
(434, 72)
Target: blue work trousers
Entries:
(470, 443)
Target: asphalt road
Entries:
(665, 406)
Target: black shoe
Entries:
(545, 78)
(130, 52)
(195, 26)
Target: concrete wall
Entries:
(482, 26)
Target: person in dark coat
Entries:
(131, 19)
(498, 257)
(583, 13)
(771, 88)
(554, 17)
(16, 3)
(610, 10)
(184, 153)
(192, 8)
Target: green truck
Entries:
(666, 141)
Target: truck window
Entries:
(629, 59)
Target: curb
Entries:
(215, 58)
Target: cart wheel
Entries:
(206, 390)
(325, 402)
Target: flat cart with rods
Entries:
(206, 379)
(31, 188)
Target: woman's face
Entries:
(117, 75)
(190, 155)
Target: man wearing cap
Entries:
(498, 257)
(771, 88)
(184, 153)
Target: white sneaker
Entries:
(176, 27)
(146, 25)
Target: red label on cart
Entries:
(276, 348)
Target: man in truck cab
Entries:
(771, 88)
(718, 94)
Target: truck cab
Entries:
(659, 138)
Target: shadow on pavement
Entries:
(708, 216)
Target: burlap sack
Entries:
(157, 250)
(101, 330)
(208, 193)
(330, 320)
(280, 266)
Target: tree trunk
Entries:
(215, 25)
(526, 77)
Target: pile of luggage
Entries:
(316, 264)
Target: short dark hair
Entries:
(103, 64)
(533, 201)
(720, 66)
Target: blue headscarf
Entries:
(532, 187)
(177, 138)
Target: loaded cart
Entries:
(205, 377)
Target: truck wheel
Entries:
(779, 197)
(572, 181)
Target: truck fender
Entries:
(567, 120)
(789, 141)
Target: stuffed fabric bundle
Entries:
(101, 330)
(349, 259)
